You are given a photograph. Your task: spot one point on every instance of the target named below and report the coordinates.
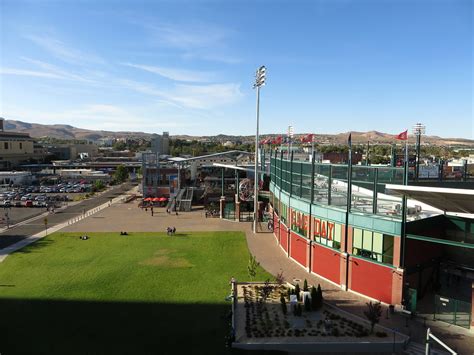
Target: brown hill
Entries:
(62, 131)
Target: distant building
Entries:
(16, 149)
(160, 144)
(15, 177)
(73, 151)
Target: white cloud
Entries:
(176, 74)
(62, 51)
(34, 73)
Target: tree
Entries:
(305, 285)
(283, 303)
(279, 278)
(120, 174)
(266, 290)
(252, 267)
(297, 291)
(314, 298)
(373, 314)
(307, 304)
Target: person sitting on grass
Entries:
(173, 230)
(168, 230)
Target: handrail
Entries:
(432, 336)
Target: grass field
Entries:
(139, 294)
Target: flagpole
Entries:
(406, 159)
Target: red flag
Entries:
(278, 140)
(402, 136)
(307, 139)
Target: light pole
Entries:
(259, 82)
(418, 130)
(290, 137)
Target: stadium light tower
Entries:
(418, 130)
(259, 82)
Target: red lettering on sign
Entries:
(323, 229)
(330, 230)
(317, 227)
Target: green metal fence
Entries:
(229, 211)
(452, 311)
(326, 184)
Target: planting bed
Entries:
(260, 319)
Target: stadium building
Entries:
(363, 229)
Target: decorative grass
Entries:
(137, 294)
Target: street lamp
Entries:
(259, 82)
(418, 130)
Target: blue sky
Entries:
(187, 67)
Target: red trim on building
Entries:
(371, 279)
(299, 248)
(326, 262)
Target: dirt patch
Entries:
(161, 258)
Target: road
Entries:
(15, 234)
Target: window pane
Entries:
(357, 243)
(337, 232)
(367, 240)
(378, 243)
(388, 249)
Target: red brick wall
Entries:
(276, 227)
(283, 236)
(371, 279)
(299, 248)
(326, 262)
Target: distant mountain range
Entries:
(60, 131)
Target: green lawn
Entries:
(137, 294)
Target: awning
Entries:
(445, 199)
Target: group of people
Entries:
(171, 230)
(84, 237)
(123, 233)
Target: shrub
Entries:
(299, 310)
(314, 295)
(381, 334)
(283, 304)
(297, 291)
(305, 285)
(279, 279)
(252, 267)
(335, 331)
(307, 304)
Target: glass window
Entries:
(5, 145)
(357, 240)
(378, 243)
(367, 240)
(337, 236)
(387, 249)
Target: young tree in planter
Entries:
(279, 278)
(314, 298)
(299, 310)
(297, 291)
(305, 285)
(252, 267)
(320, 296)
(307, 304)
(283, 303)
(266, 290)
(373, 314)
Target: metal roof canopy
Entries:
(445, 199)
(229, 152)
